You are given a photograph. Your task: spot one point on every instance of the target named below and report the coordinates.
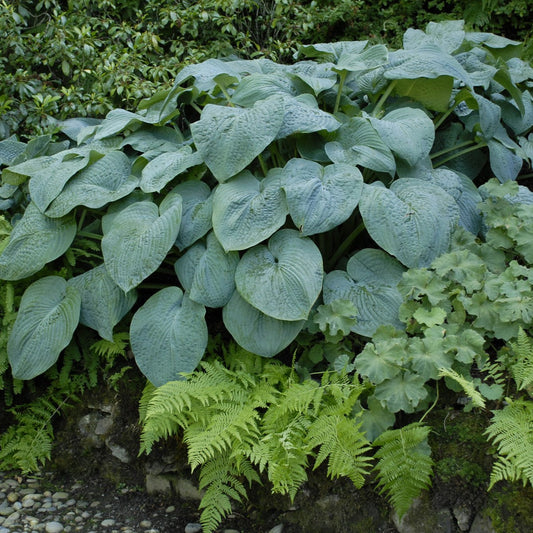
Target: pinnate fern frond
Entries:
(522, 368)
(404, 465)
(511, 429)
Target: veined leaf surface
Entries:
(168, 335)
(48, 315)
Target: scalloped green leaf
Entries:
(247, 211)
(413, 220)
(282, 280)
(197, 212)
(47, 318)
(103, 302)
(230, 138)
(401, 393)
(370, 283)
(320, 198)
(257, 332)
(35, 241)
(165, 167)
(137, 240)
(105, 181)
(408, 132)
(207, 272)
(168, 336)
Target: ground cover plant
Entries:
(331, 216)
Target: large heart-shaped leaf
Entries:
(358, 143)
(207, 272)
(48, 315)
(320, 198)
(505, 164)
(168, 336)
(408, 132)
(282, 280)
(247, 211)
(105, 181)
(257, 332)
(35, 241)
(260, 86)
(413, 220)
(318, 76)
(370, 282)
(137, 240)
(103, 302)
(165, 167)
(197, 212)
(230, 138)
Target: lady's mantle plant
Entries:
(248, 185)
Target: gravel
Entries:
(37, 505)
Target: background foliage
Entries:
(64, 58)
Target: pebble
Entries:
(193, 528)
(54, 527)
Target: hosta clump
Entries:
(289, 196)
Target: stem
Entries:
(459, 154)
(343, 75)
(524, 176)
(345, 245)
(264, 168)
(196, 107)
(443, 117)
(383, 98)
(90, 235)
(82, 219)
(432, 405)
(450, 149)
(226, 94)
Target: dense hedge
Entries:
(64, 58)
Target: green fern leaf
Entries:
(511, 430)
(405, 466)
(522, 368)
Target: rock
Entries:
(423, 518)
(170, 509)
(12, 497)
(187, 490)
(5, 509)
(60, 495)
(108, 522)
(463, 516)
(145, 524)
(119, 452)
(104, 425)
(54, 527)
(158, 484)
(482, 524)
(193, 528)
(277, 529)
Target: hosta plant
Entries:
(290, 197)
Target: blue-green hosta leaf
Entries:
(118, 120)
(257, 332)
(151, 138)
(207, 272)
(302, 115)
(408, 132)
(505, 164)
(413, 220)
(197, 212)
(318, 76)
(331, 51)
(103, 302)
(425, 61)
(260, 86)
(490, 40)
(519, 70)
(489, 116)
(282, 280)
(370, 282)
(230, 138)
(247, 211)
(479, 72)
(168, 336)
(432, 93)
(137, 240)
(48, 315)
(10, 149)
(35, 241)
(367, 59)
(519, 122)
(447, 35)
(165, 167)
(320, 198)
(105, 181)
(358, 143)
(465, 193)
(72, 127)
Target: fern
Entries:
(405, 466)
(522, 366)
(251, 415)
(468, 386)
(511, 429)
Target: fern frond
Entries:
(522, 368)
(511, 429)
(109, 350)
(405, 466)
(341, 442)
(468, 386)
